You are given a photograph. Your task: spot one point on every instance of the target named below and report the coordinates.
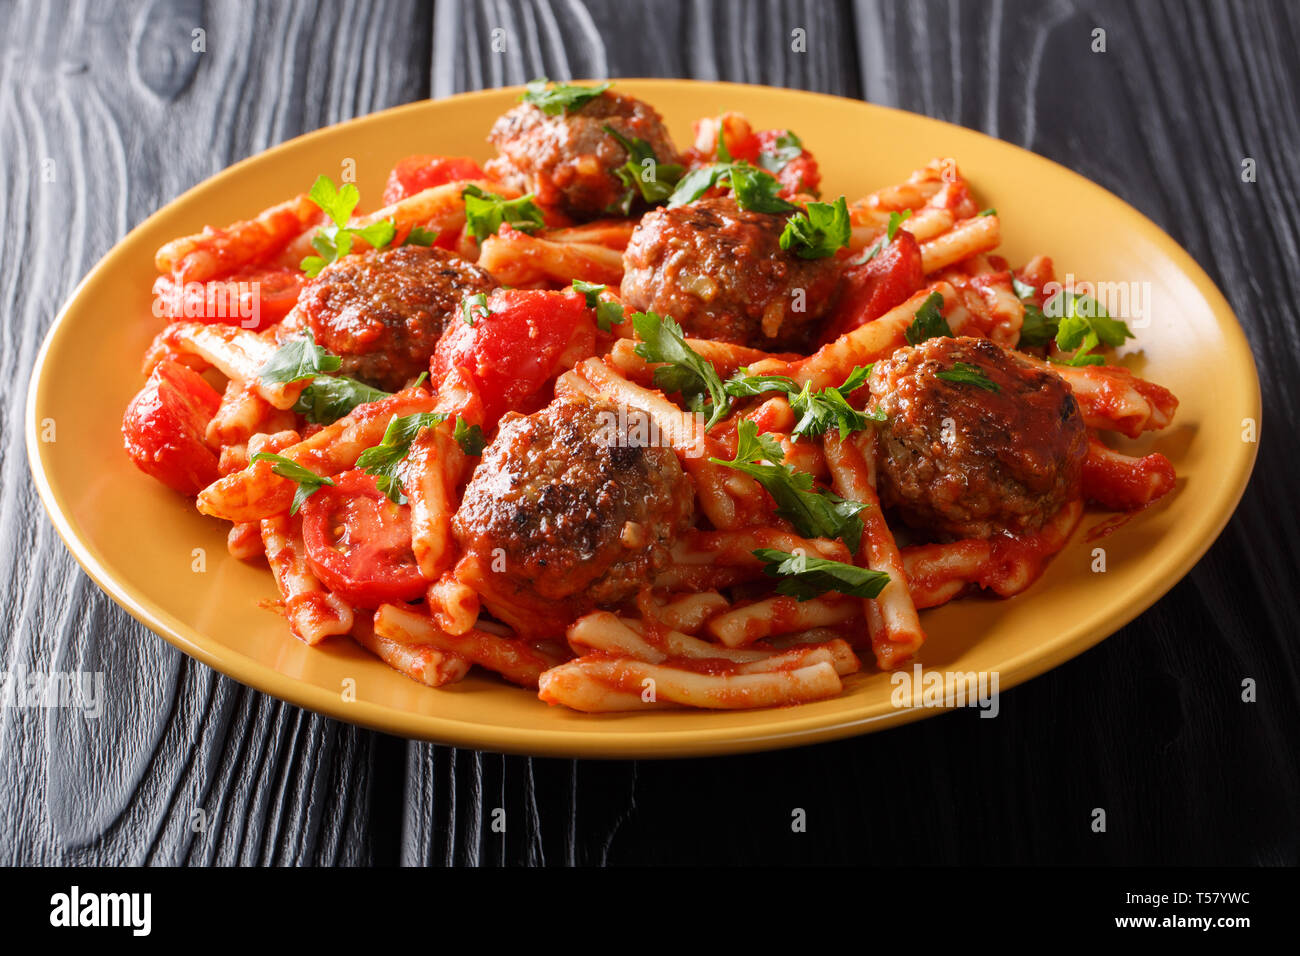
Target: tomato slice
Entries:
(417, 173)
(878, 285)
(510, 355)
(164, 427)
(252, 298)
(359, 542)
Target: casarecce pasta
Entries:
(631, 426)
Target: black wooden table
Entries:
(107, 112)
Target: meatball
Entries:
(569, 160)
(962, 460)
(383, 312)
(582, 510)
(720, 271)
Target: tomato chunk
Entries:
(511, 354)
(164, 428)
(417, 173)
(252, 298)
(800, 174)
(359, 542)
(877, 285)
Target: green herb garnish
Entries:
(815, 512)
(383, 460)
(819, 231)
(928, 322)
(556, 98)
(485, 212)
(806, 577)
(308, 482)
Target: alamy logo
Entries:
(945, 689)
(134, 910)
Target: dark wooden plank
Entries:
(1149, 726)
(114, 103)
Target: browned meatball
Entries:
(383, 312)
(964, 461)
(582, 514)
(568, 160)
(720, 271)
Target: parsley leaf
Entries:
(643, 173)
(928, 322)
(308, 482)
(896, 220)
(806, 577)
(963, 373)
(591, 290)
(829, 408)
(817, 513)
(743, 385)
(485, 212)
(756, 190)
(1036, 328)
(557, 98)
(818, 231)
(988, 212)
(685, 370)
(298, 359)
(419, 236)
(608, 312)
(697, 182)
(337, 203)
(474, 307)
(329, 397)
(785, 148)
(383, 460)
(334, 241)
(469, 437)
(1084, 325)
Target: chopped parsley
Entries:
(684, 370)
(383, 460)
(326, 398)
(806, 577)
(329, 397)
(655, 187)
(419, 236)
(297, 359)
(896, 220)
(755, 189)
(783, 150)
(608, 312)
(474, 307)
(814, 512)
(928, 322)
(308, 482)
(1084, 326)
(829, 408)
(1037, 328)
(485, 212)
(963, 373)
(556, 98)
(469, 437)
(334, 241)
(819, 231)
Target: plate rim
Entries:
(576, 742)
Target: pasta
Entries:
(633, 442)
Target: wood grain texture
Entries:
(113, 104)
(1149, 725)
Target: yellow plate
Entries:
(138, 540)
